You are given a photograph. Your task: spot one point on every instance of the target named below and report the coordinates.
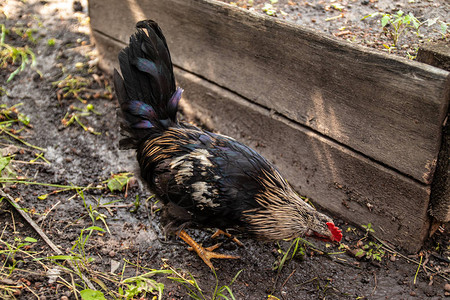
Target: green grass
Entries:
(395, 26)
(71, 87)
(74, 117)
(10, 119)
(11, 55)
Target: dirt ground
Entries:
(347, 19)
(60, 166)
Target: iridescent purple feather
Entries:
(147, 66)
(141, 109)
(172, 104)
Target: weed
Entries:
(78, 255)
(93, 212)
(11, 251)
(368, 229)
(298, 250)
(89, 294)
(412, 56)
(10, 116)
(66, 187)
(136, 204)
(117, 182)
(76, 87)
(77, 114)
(8, 251)
(71, 87)
(269, 9)
(143, 284)
(195, 292)
(25, 33)
(6, 171)
(418, 268)
(370, 250)
(9, 55)
(443, 26)
(395, 24)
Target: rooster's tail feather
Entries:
(147, 95)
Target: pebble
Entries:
(393, 258)
(412, 293)
(64, 298)
(77, 6)
(112, 253)
(429, 291)
(36, 77)
(447, 287)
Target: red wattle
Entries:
(335, 231)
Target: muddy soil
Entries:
(132, 240)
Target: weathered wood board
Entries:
(438, 55)
(390, 109)
(360, 131)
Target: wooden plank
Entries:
(440, 196)
(437, 54)
(335, 178)
(387, 108)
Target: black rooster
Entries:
(215, 180)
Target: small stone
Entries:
(447, 287)
(114, 265)
(393, 258)
(412, 293)
(429, 291)
(53, 274)
(77, 6)
(446, 294)
(36, 77)
(132, 182)
(112, 253)
(64, 298)
(365, 280)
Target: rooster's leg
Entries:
(205, 253)
(233, 238)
